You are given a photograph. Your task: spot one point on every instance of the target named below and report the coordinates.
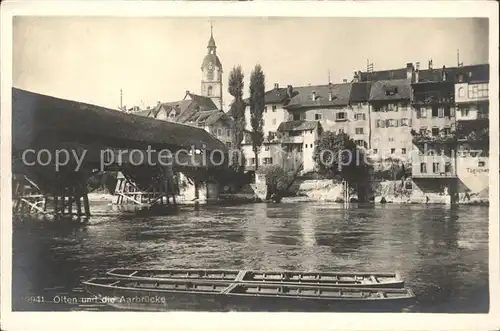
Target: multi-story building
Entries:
(361, 109)
(472, 116)
(274, 114)
(390, 118)
(297, 139)
(434, 124)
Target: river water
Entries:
(442, 252)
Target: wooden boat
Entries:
(172, 295)
(357, 279)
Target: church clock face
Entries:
(211, 66)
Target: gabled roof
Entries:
(301, 125)
(360, 92)
(383, 75)
(304, 96)
(474, 73)
(205, 103)
(398, 89)
(207, 117)
(276, 96)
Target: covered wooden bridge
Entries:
(45, 126)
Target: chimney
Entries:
(276, 85)
(345, 80)
(430, 64)
(148, 107)
(187, 91)
(314, 95)
(159, 102)
(443, 73)
(416, 75)
(417, 65)
(330, 94)
(289, 91)
(356, 77)
(409, 70)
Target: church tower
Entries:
(211, 73)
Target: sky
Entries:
(89, 59)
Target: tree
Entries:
(338, 156)
(235, 88)
(257, 104)
(277, 180)
(237, 111)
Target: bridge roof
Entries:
(33, 113)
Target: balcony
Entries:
(480, 136)
(292, 140)
(432, 97)
(422, 138)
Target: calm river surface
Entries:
(441, 252)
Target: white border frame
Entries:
(243, 321)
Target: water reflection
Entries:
(441, 251)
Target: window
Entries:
(210, 74)
(375, 151)
(266, 147)
(392, 107)
(481, 164)
(447, 167)
(296, 117)
(435, 111)
(447, 131)
(359, 130)
(341, 116)
(423, 130)
(423, 168)
(405, 122)
(312, 145)
(435, 131)
(447, 111)
(219, 132)
(482, 90)
(265, 109)
(403, 150)
(209, 91)
(341, 131)
(435, 167)
(274, 121)
(317, 117)
(228, 133)
(252, 161)
(228, 144)
(464, 112)
(391, 123)
(393, 150)
(380, 124)
(423, 112)
(360, 143)
(274, 108)
(440, 112)
(461, 92)
(391, 139)
(473, 91)
(359, 117)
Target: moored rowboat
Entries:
(168, 295)
(339, 279)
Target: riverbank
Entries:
(326, 191)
